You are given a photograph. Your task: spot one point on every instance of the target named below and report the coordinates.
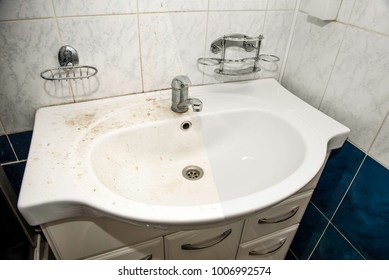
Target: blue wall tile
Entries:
(21, 143)
(363, 216)
(15, 173)
(333, 246)
(311, 227)
(336, 178)
(6, 153)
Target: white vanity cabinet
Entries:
(149, 250)
(264, 235)
(219, 243)
(270, 247)
(81, 238)
(280, 216)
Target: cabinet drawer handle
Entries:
(281, 218)
(208, 243)
(148, 257)
(258, 253)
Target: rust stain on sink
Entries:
(81, 121)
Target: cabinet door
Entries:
(149, 250)
(280, 216)
(83, 237)
(208, 244)
(270, 247)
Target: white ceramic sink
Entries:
(126, 157)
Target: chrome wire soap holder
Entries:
(249, 64)
(69, 68)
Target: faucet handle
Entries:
(181, 82)
(197, 107)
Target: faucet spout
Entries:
(180, 100)
(196, 103)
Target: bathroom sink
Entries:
(132, 158)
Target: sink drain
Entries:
(192, 172)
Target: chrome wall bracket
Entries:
(248, 44)
(69, 69)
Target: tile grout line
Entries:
(322, 234)
(290, 40)
(341, 201)
(378, 132)
(333, 68)
(12, 147)
(61, 43)
(14, 162)
(348, 188)
(348, 241)
(140, 46)
(206, 41)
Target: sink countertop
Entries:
(58, 183)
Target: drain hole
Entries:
(192, 172)
(186, 125)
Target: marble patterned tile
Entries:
(276, 33)
(337, 175)
(311, 57)
(172, 5)
(26, 49)
(363, 216)
(357, 93)
(93, 7)
(281, 4)
(345, 11)
(380, 148)
(109, 43)
(311, 227)
(232, 5)
(21, 9)
(333, 246)
(221, 23)
(372, 15)
(303, 6)
(2, 131)
(171, 44)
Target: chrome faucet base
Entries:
(180, 100)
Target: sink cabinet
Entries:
(264, 235)
(208, 244)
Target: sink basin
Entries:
(132, 158)
(144, 163)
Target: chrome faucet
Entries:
(180, 100)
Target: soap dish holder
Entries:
(69, 68)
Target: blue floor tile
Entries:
(21, 143)
(311, 227)
(6, 153)
(363, 216)
(333, 246)
(336, 178)
(15, 172)
(289, 256)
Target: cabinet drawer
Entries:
(149, 250)
(216, 243)
(270, 247)
(84, 237)
(280, 216)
